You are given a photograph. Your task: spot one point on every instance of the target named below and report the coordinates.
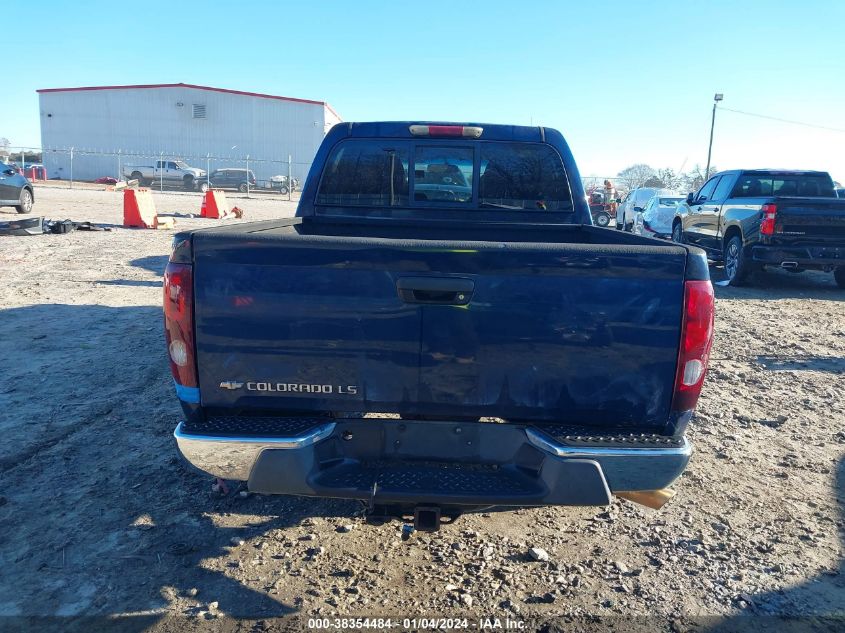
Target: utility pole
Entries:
(716, 99)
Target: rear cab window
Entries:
(523, 176)
(443, 174)
(438, 174)
(751, 185)
(366, 173)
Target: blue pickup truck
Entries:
(440, 329)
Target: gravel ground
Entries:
(101, 517)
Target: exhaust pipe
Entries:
(654, 499)
(789, 265)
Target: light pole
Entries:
(716, 99)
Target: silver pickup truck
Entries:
(167, 172)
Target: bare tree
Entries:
(694, 178)
(635, 175)
(668, 177)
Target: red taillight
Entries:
(696, 339)
(179, 322)
(469, 131)
(767, 226)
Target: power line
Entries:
(774, 118)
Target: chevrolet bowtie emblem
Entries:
(231, 384)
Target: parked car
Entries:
(761, 217)
(656, 218)
(588, 346)
(280, 183)
(635, 202)
(233, 178)
(15, 190)
(168, 172)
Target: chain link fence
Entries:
(660, 179)
(163, 170)
(244, 172)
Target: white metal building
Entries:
(110, 126)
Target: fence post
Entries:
(23, 162)
(71, 168)
(290, 180)
(161, 172)
(119, 166)
(247, 175)
(208, 170)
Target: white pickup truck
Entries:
(167, 172)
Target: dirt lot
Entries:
(99, 515)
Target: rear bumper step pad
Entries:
(806, 256)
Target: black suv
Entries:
(15, 190)
(232, 178)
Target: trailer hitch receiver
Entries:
(427, 518)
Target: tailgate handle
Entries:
(439, 290)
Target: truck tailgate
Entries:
(809, 220)
(569, 332)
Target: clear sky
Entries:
(625, 82)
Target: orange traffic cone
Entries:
(139, 209)
(214, 204)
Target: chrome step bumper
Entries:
(388, 460)
(233, 457)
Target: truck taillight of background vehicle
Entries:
(179, 328)
(696, 340)
(767, 226)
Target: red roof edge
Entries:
(181, 85)
(332, 110)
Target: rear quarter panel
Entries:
(743, 214)
(400, 130)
